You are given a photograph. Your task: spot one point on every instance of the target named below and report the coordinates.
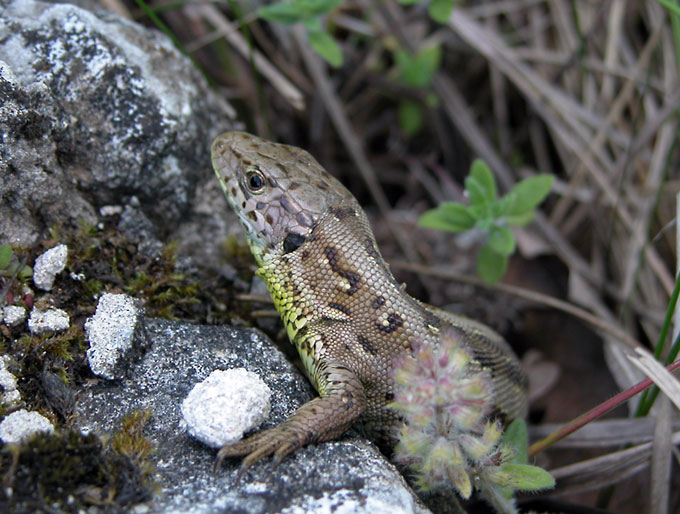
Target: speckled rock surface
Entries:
(94, 110)
(348, 475)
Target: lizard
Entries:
(342, 308)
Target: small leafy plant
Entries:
(416, 71)
(309, 13)
(492, 215)
(9, 264)
(448, 438)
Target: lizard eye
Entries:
(255, 181)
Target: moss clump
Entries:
(65, 472)
(164, 290)
(131, 443)
(69, 471)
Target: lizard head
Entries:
(279, 192)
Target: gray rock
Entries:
(110, 333)
(221, 408)
(349, 475)
(50, 320)
(21, 425)
(136, 227)
(48, 265)
(96, 109)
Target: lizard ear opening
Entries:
(293, 241)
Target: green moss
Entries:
(69, 471)
(130, 442)
(65, 472)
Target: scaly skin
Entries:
(342, 308)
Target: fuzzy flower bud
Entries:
(446, 439)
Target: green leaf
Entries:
(410, 117)
(519, 220)
(491, 265)
(317, 7)
(502, 240)
(26, 272)
(417, 70)
(526, 477)
(448, 216)
(480, 206)
(516, 437)
(432, 100)
(285, 13)
(529, 193)
(313, 24)
(504, 205)
(440, 10)
(326, 47)
(5, 256)
(408, 2)
(481, 174)
(481, 190)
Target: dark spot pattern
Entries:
(378, 302)
(498, 415)
(292, 242)
(339, 307)
(371, 249)
(486, 362)
(343, 212)
(366, 345)
(394, 322)
(431, 320)
(304, 255)
(352, 277)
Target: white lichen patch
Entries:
(12, 315)
(22, 424)
(110, 333)
(228, 403)
(51, 320)
(48, 265)
(8, 383)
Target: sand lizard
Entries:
(342, 308)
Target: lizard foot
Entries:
(321, 419)
(277, 441)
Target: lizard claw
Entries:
(275, 441)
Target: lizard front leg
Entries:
(342, 401)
